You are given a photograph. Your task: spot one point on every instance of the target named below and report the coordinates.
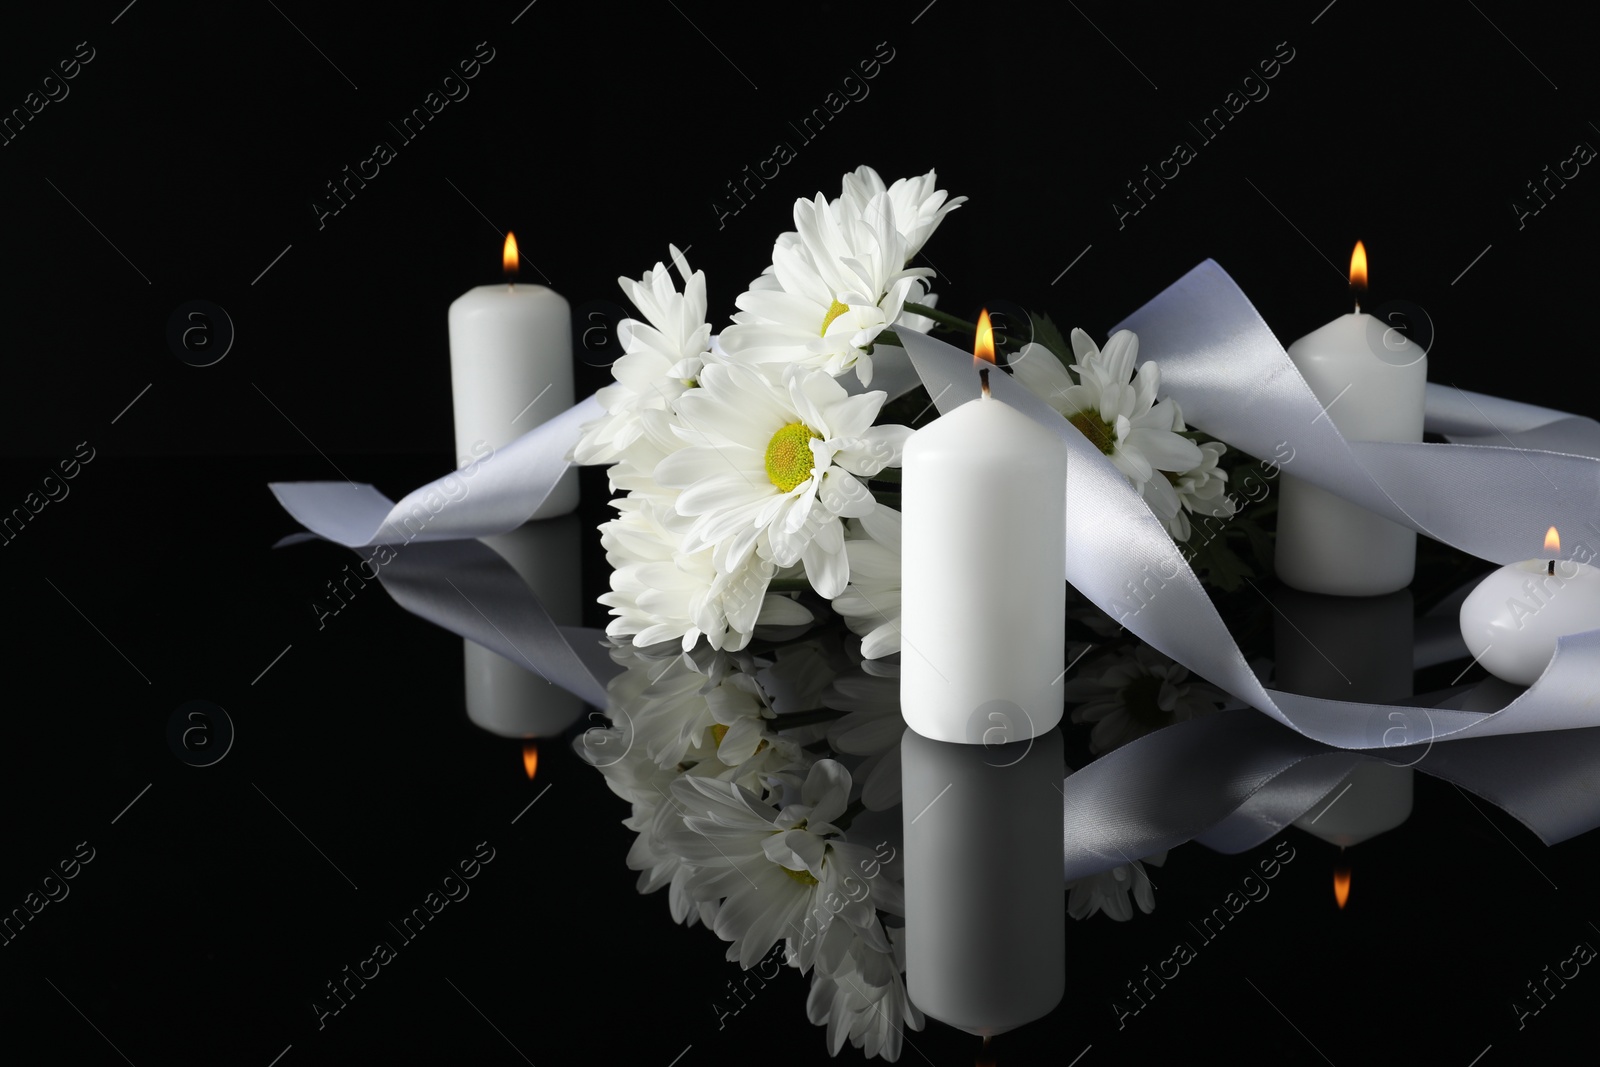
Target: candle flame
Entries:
(983, 343)
(1552, 540)
(530, 759)
(1341, 886)
(1358, 267)
(509, 256)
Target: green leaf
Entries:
(1047, 333)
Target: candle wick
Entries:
(1552, 568)
(983, 380)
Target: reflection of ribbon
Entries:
(1234, 779)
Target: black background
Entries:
(184, 164)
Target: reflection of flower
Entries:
(865, 1001)
(871, 604)
(777, 462)
(1109, 891)
(1129, 695)
(773, 869)
(872, 728)
(1121, 417)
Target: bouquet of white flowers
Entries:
(758, 483)
(748, 465)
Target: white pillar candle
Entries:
(983, 554)
(985, 915)
(511, 369)
(1371, 381)
(1511, 621)
(506, 697)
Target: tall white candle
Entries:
(983, 552)
(511, 369)
(1371, 381)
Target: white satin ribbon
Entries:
(1234, 380)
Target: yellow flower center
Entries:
(803, 877)
(834, 311)
(789, 458)
(1092, 426)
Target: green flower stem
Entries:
(788, 585)
(886, 337)
(944, 318)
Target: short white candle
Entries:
(1511, 621)
(983, 554)
(511, 369)
(1325, 543)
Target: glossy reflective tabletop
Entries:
(192, 883)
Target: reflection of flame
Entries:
(530, 759)
(1552, 540)
(1358, 266)
(983, 345)
(509, 256)
(1341, 886)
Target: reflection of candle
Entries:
(1512, 619)
(505, 697)
(1325, 543)
(984, 886)
(1356, 649)
(511, 369)
(983, 619)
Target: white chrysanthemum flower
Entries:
(837, 282)
(773, 869)
(662, 358)
(917, 204)
(776, 464)
(1129, 695)
(1201, 490)
(865, 1001)
(1109, 891)
(870, 604)
(1122, 417)
(661, 593)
